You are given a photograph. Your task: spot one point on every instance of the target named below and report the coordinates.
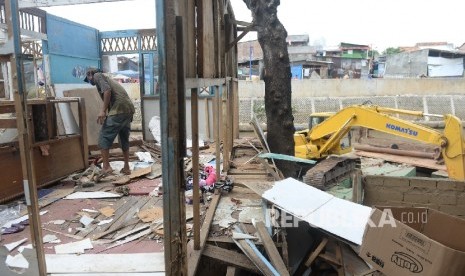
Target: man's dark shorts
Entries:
(120, 125)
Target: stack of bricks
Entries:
(445, 195)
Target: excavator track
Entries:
(329, 170)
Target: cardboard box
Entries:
(414, 241)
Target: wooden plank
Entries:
(193, 256)
(7, 107)
(203, 82)
(271, 249)
(151, 203)
(8, 123)
(251, 172)
(119, 204)
(120, 212)
(206, 39)
(124, 220)
(357, 187)
(195, 164)
(50, 168)
(140, 172)
(11, 175)
(256, 259)
(419, 162)
(24, 133)
(132, 143)
(229, 257)
(285, 248)
(339, 257)
(190, 40)
(93, 106)
(330, 259)
(207, 118)
(317, 252)
(235, 100)
(230, 271)
(84, 137)
(217, 128)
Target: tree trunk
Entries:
(277, 76)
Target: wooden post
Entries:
(357, 188)
(83, 129)
(207, 119)
(24, 134)
(225, 116)
(195, 165)
(217, 128)
(172, 113)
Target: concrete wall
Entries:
(444, 195)
(361, 87)
(435, 96)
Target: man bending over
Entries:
(115, 117)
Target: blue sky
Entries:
(379, 23)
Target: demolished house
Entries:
(200, 200)
(432, 63)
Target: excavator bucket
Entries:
(454, 152)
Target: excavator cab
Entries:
(304, 149)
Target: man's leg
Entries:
(124, 141)
(107, 135)
(106, 160)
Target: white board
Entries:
(105, 263)
(297, 197)
(339, 217)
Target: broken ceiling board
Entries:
(93, 106)
(105, 263)
(109, 274)
(320, 209)
(74, 247)
(15, 244)
(299, 197)
(31, 259)
(90, 195)
(140, 172)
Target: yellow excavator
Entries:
(329, 137)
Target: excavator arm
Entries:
(324, 138)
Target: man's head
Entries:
(90, 75)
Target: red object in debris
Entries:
(211, 179)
